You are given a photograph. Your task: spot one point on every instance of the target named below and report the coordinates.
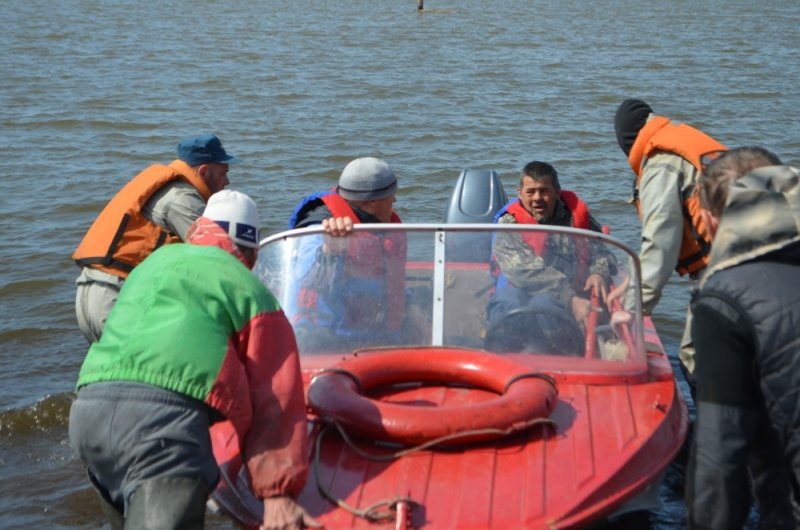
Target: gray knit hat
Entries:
(367, 179)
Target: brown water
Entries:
(93, 91)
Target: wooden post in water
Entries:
(420, 7)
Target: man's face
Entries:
(539, 197)
(215, 175)
(381, 208)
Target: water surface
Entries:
(92, 91)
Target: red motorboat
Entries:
(456, 422)
(428, 409)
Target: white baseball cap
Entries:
(237, 214)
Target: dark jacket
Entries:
(747, 333)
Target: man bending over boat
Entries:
(194, 337)
(363, 302)
(666, 159)
(547, 274)
(746, 332)
(154, 208)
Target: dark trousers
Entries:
(130, 435)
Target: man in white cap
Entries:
(364, 299)
(154, 208)
(195, 337)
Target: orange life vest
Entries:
(538, 241)
(121, 236)
(339, 207)
(660, 134)
(578, 209)
(366, 259)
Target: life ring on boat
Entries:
(338, 395)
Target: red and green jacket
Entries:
(191, 318)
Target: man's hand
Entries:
(283, 513)
(419, 326)
(614, 298)
(338, 226)
(582, 308)
(596, 285)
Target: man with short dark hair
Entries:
(154, 208)
(746, 332)
(536, 268)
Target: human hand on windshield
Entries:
(338, 226)
(283, 513)
(596, 285)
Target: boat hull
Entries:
(607, 442)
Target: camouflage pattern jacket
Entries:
(555, 274)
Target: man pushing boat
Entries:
(194, 338)
(153, 209)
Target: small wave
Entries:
(751, 94)
(48, 414)
(27, 286)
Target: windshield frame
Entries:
(440, 231)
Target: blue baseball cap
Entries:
(204, 149)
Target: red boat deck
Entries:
(610, 438)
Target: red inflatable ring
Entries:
(337, 395)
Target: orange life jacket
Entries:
(121, 236)
(339, 207)
(660, 134)
(365, 258)
(538, 241)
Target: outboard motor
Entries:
(477, 197)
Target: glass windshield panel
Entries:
(505, 289)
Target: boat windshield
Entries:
(507, 289)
